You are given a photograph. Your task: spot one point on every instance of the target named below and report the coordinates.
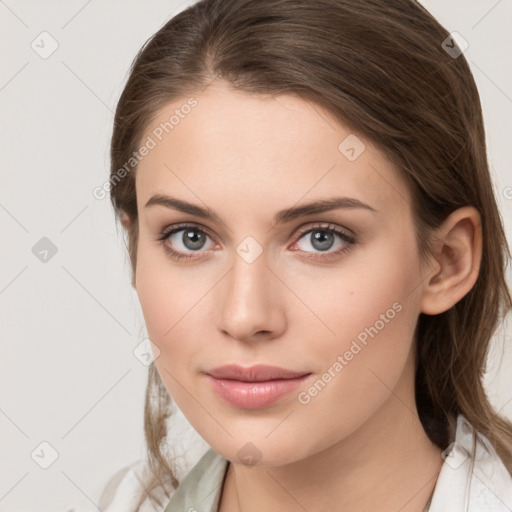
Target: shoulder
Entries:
(124, 489)
(473, 477)
(123, 492)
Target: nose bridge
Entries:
(248, 300)
(248, 275)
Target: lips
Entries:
(257, 373)
(255, 387)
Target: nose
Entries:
(250, 302)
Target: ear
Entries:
(125, 221)
(127, 224)
(457, 255)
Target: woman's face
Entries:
(329, 293)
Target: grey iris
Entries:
(193, 239)
(322, 240)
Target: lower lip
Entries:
(254, 395)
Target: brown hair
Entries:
(380, 67)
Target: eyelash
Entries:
(349, 241)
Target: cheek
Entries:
(361, 296)
(173, 299)
(361, 299)
(372, 311)
(164, 305)
(155, 297)
(166, 292)
(164, 298)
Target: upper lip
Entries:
(256, 373)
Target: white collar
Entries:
(487, 487)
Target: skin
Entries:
(358, 444)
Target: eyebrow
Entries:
(281, 217)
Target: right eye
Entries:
(181, 242)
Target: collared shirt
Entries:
(486, 487)
(469, 481)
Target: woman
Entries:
(319, 258)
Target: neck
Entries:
(387, 464)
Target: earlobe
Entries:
(127, 224)
(458, 252)
(125, 220)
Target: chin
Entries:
(251, 451)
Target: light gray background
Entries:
(69, 325)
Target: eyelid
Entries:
(166, 232)
(348, 233)
(299, 232)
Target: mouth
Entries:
(256, 373)
(254, 387)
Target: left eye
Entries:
(188, 239)
(323, 239)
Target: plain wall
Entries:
(70, 324)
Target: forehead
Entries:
(260, 149)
